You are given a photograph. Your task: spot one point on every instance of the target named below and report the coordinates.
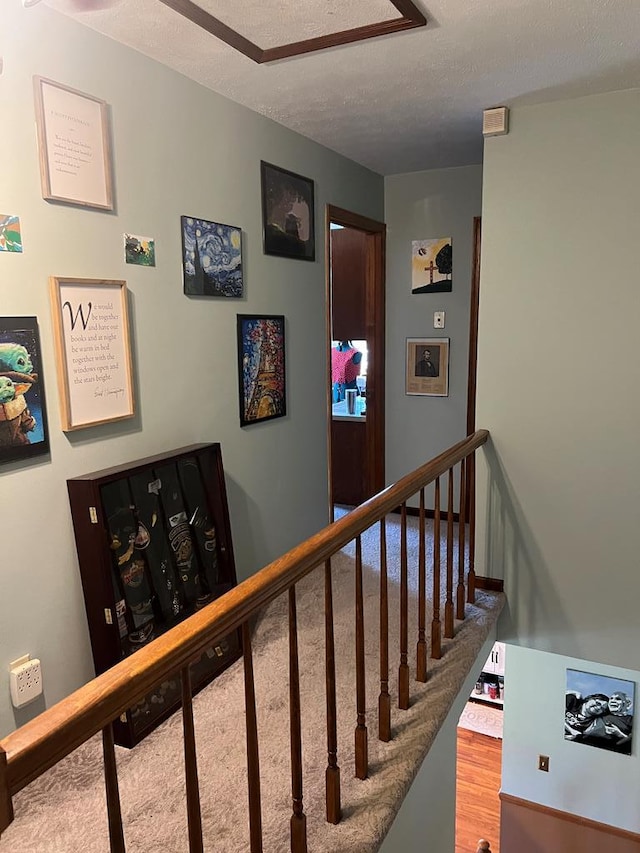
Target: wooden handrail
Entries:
(55, 733)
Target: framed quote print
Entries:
(74, 146)
(93, 351)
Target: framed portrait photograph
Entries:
(74, 146)
(23, 412)
(93, 351)
(599, 711)
(288, 218)
(211, 258)
(261, 368)
(427, 367)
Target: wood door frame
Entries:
(375, 322)
(473, 353)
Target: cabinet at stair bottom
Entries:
(154, 546)
(492, 675)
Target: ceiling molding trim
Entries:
(411, 17)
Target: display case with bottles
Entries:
(154, 546)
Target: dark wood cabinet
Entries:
(154, 546)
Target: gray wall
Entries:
(178, 149)
(419, 206)
(558, 375)
(533, 726)
(427, 818)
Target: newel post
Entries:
(6, 806)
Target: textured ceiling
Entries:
(396, 103)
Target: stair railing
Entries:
(35, 747)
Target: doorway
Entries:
(355, 311)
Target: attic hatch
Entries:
(410, 18)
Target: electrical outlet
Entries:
(25, 680)
(543, 763)
(438, 319)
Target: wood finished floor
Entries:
(477, 787)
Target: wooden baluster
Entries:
(436, 626)
(114, 814)
(448, 607)
(421, 651)
(332, 776)
(6, 806)
(361, 749)
(253, 755)
(194, 818)
(471, 578)
(403, 671)
(461, 538)
(384, 700)
(298, 818)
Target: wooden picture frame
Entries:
(23, 411)
(74, 146)
(93, 351)
(427, 367)
(261, 367)
(288, 213)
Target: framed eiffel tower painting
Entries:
(261, 368)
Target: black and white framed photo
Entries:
(599, 711)
(427, 367)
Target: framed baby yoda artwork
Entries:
(23, 413)
(93, 351)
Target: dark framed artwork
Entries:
(211, 258)
(599, 711)
(23, 412)
(261, 368)
(288, 219)
(427, 367)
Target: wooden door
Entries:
(355, 310)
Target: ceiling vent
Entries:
(495, 122)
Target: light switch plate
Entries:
(438, 319)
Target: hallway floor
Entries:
(477, 788)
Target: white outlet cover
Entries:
(438, 319)
(25, 682)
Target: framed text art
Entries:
(261, 368)
(93, 352)
(23, 413)
(73, 141)
(427, 367)
(287, 213)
